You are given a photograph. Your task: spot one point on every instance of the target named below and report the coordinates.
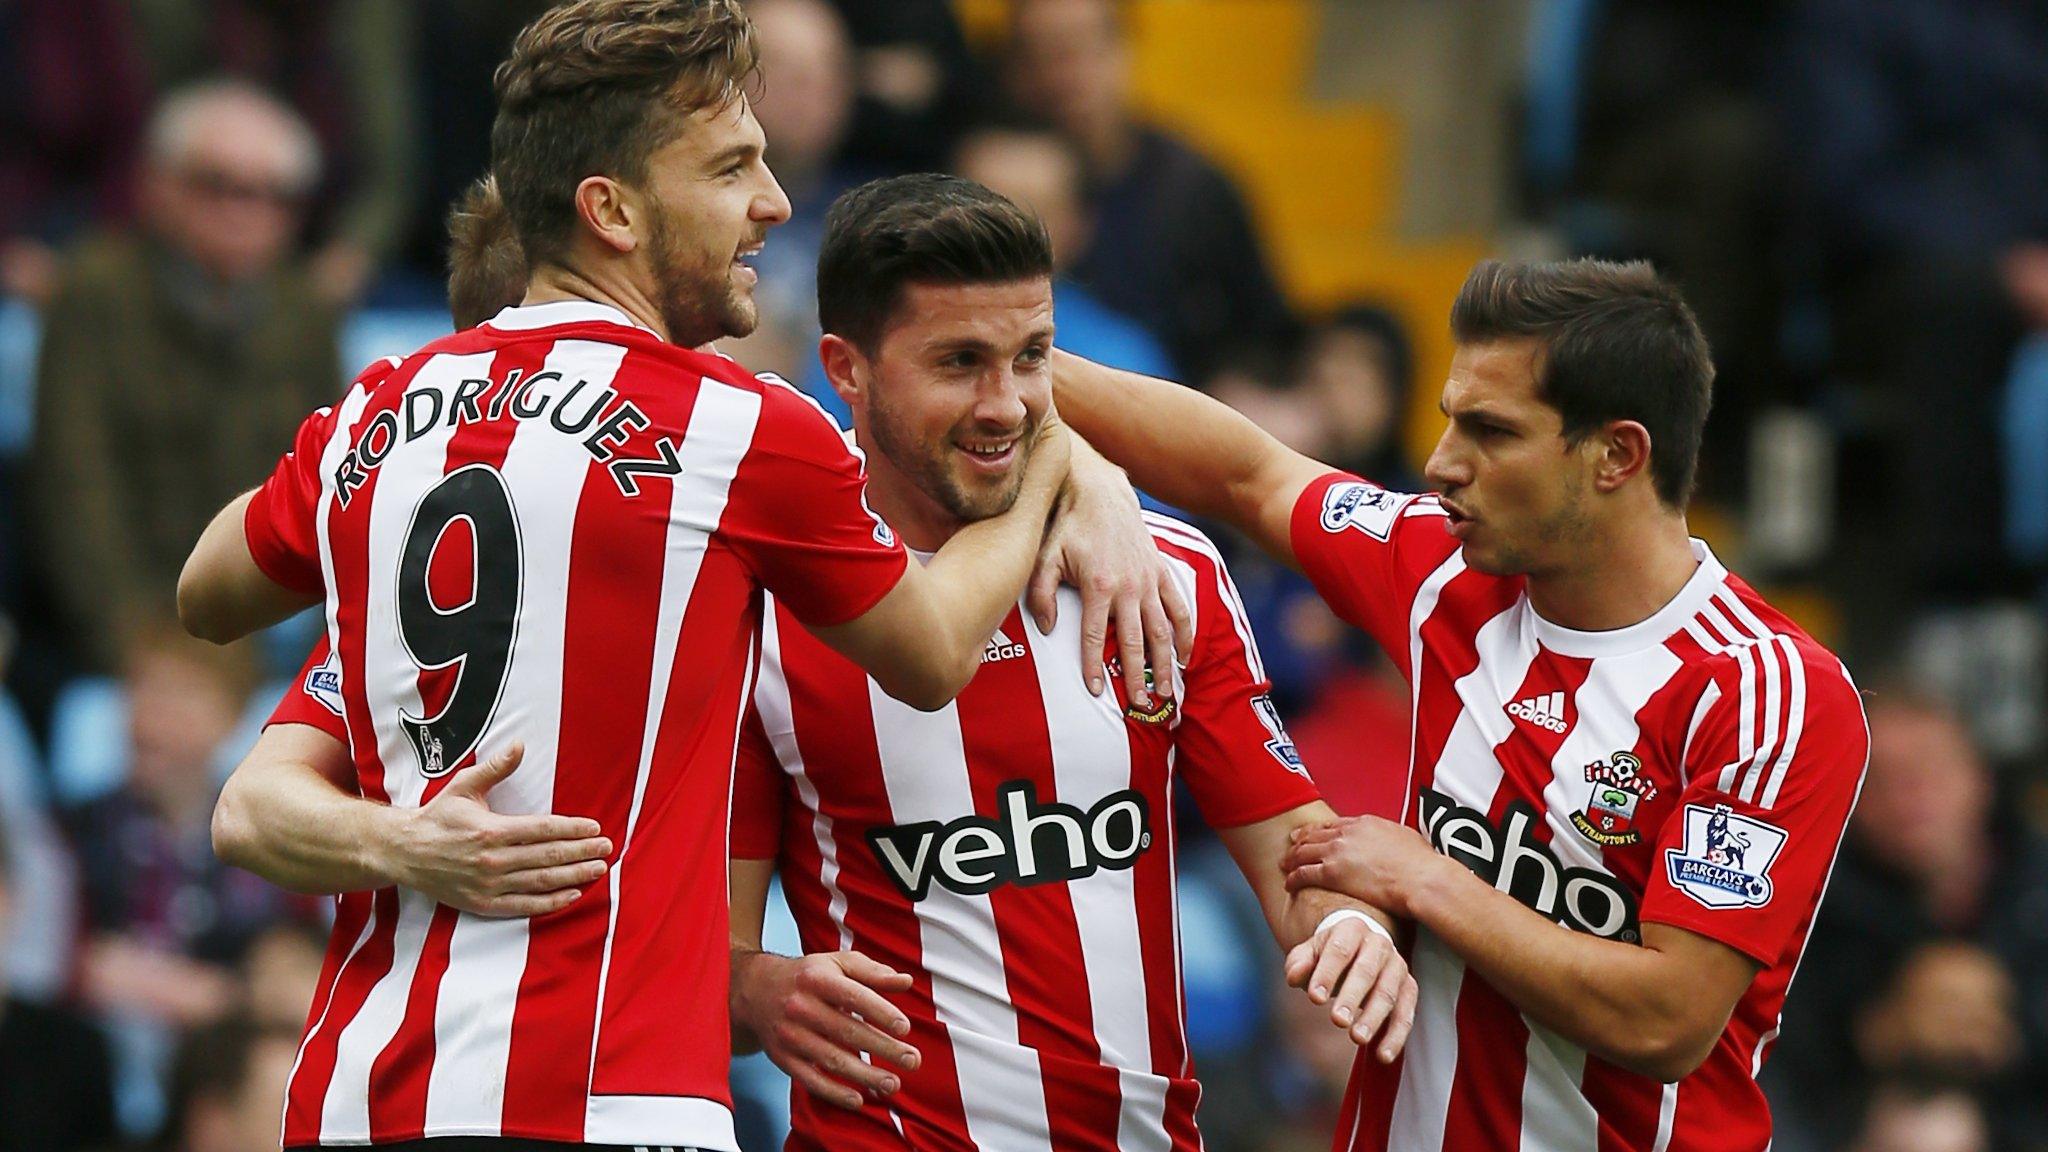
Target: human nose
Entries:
(1000, 401)
(1445, 467)
(771, 207)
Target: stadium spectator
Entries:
(805, 105)
(1172, 245)
(1040, 168)
(279, 971)
(1911, 1116)
(1934, 861)
(166, 918)
(919, 85)
(347, 67)
(175, 362)
(1917, 132)
(225, 1086)
(72, 101)
(1360, 366)
(56, 1086)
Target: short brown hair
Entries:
(1619, 344)
(486, 265)
(595, 87)
(920, 229)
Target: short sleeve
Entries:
(280, 524)
(314, 697)
(1368, 550)
(1771, 778)
(1229, 743)
(798, 515)
(757, 794)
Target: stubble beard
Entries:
(926, 466)
(697, 305)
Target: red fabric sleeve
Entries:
(280, 524)
(1367, 550)
(314, 698)
(1229, 743)
(1744, 858)
(798, 515)
(757, 794)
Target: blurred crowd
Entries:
(214, 212)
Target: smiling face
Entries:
(1519, 493)
(951, 399)
(711, 200)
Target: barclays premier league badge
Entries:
(1726, 861)
(1367, 507)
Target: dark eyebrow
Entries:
(733, 154)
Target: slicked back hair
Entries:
(888, 234)
(1619, 343)
(595, 87)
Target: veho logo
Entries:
(1031, 843)
(1511, 859)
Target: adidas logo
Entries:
(1000, 647)
(1542, 711)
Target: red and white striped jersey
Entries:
(1014, 853)
(1695, 769)
(553, 529)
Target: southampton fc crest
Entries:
(1618, 786)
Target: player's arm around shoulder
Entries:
(1188, 449)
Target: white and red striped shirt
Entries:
(1695, 769)
(553, 529)
(1014, 853)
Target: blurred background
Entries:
(214, 212)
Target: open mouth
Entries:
(1458, 523)
(989, 455)
(743, 260)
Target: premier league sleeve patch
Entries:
(324, 684)
(1726, 860)
(1367, 507)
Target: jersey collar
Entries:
(1691, 599)
(526, 317)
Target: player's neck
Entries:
(554, 283)
(922, 523)
(1618, 578)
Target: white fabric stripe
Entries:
(1240, 619)
(1426, 598)
(362, 938)
(1764, 1041)
(1002, 1090)
(1466, 771)
(1795, 720)
(1091, 759)
(331, 457)
(771, 699)
(1745, 714)
(1667, 1116)
(695, 1121)
(487, 958)
(1555, 1112)
(1754, 640)
(1180, 989)
(1709, 696)
(1431, 1061)
(409, 472)
(1615, 689)
(719, 436)
(345, 1113)
(1183, 576)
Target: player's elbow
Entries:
(234, 833)
(201, 611)
(927, 685)
(1667, 1051)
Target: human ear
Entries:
(1623, 452)
(608, 210)
(845, 367)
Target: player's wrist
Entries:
(381, 849)
(1425, 891)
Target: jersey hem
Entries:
(1697, 928)
(865, 602)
